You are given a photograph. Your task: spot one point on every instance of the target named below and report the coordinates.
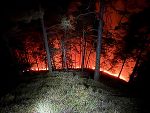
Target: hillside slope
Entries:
(66, 93)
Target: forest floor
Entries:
(70, 92)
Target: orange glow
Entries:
(115, 74)
(97, 6)
(124, 75)
(112, 20)
(108, 72)
(75, 58)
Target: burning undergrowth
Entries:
(65, 93)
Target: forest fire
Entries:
(77, 67)
(46, 45)
(75, 53)
(71, 41)
(76, 59)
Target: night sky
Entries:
(12, 11)
(23, 5)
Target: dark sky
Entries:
(11, 10)
(10, 7)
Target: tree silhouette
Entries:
(139, 29)
(99, 39)
(46, 44)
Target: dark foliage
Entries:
(137, 44)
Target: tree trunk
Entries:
(75, 61)
(37, 64)
(53, 62)
(71, 56)
(132, 76)
(45, 63)
(46, 46)
(64, 60)
(88, 58)
(98, 49)
(83, 50)
(122, 67)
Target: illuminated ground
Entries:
(66, 93)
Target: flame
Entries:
(76, 58)
(115, 74)
(77, 67)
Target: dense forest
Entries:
(74, 56)
(112, 36)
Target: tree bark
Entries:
(88, 58)
(64, 60)
(122, 67)
(83, 50)
(37, 64)
(46, 46)
(132, 76)
(99, 41)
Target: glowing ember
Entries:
(77, 67)
(75, 58)
(115, 74)
(38, 61)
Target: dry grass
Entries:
(65, 93)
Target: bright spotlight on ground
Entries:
(43, 107)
